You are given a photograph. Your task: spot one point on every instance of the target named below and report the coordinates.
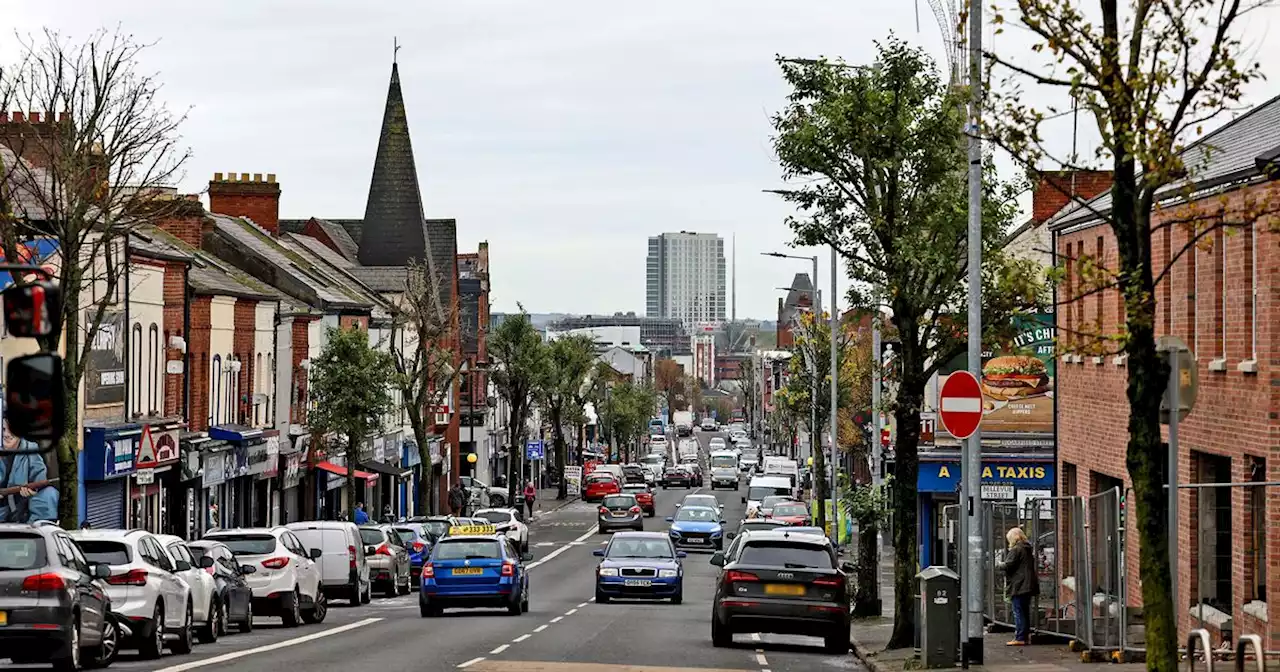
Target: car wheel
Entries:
(428, 610)
(209, 633)
(837, 641)
(514, 609)
(368, 594)
(152, 646)
(110, 644)
(721, 635)
(679, 597)
(186, 637)
(601, 598)
(357, 595)
(224, 623)
(524, 601)
(292, 612)
(319, 609)
(70, 660)
(247, 625)
(404, 590)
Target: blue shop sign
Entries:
(409, 456)
(945, 476)
(109, 452)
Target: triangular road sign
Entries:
(146, 450)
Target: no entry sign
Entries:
(960, 404)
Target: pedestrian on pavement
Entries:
(1020, 573)
(387, 516)
(530, 494)
(362, 518)
(457, 500)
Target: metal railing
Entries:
(1199, 640)
(1247, 643)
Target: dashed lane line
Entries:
(571, 612)
(542, 627)
(469, 663)
(552, 555)
(583, 604)
(498, 650)
(557, 619)
(521, 638)
(215, 660)
(761, 659)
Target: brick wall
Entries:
(1054, 190)
(1235, 414)
(198, 370)
(246, 196)
(175, 307)
(246, 325)
(298, 395)
(349, 321)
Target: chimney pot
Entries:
(62, 116)
(35, 117)
(271, 178)
(19, 117)
(217, 177)
(244, 177)
(257, 177)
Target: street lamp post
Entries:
(817, 307)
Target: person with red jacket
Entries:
(530, 494)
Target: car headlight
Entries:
(608, 571)
(667, 573)
(716, 533)
(675, 533)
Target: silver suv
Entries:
(143, 587)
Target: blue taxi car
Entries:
(639, 565)
(474, 567)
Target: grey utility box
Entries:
(939, 617)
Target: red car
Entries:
(791, 513)
(599, 485)
(644, 497)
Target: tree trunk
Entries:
(69, 445)
(426, 482)
(866, 597)
(515, 425)
(351, 477)
(562, 452)
(819, 477)
(906, 555)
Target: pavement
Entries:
(564, 631)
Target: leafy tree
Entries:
(519, 369)
(670, 383)
(865, 504)
(350, 395)
(568, 363)
(879, 154)
(84, 178)
(1151, 74)
(750, 391)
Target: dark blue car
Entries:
(419, 536)
(697, 527)
(466, 570)
(639, 565)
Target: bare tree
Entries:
(81, 177)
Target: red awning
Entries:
(342, 471)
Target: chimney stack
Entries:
(1055, 188)
(248, 196)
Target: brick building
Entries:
(1222, 299)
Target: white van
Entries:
(615, 469)
(781, 466)
(766, 486)
(724, 469)
(344, 571)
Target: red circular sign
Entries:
(960, 404)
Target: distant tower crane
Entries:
(947, 14)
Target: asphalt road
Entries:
(564, 631)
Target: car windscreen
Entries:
(370, 537)
(618, 501)
(105, 552)
(757, 493)
(249, 544)
(756, 525)
(816, 531)
(640, 548)
(495, 517)
(790, 509)
(652, 459)
(599, 478)
(697, 514)
(469, 549)
(436, 528)
(407, 534)
(724, 461)
(635, 489)
(21, 551)
(784, 554)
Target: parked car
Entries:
(388, 559)
(205, 608)
(344, 568)
(644, 495)
(419, 535)
(287, 581)
(229, 577)
(620, 511)
(508, 523)
(143, 588)
(599, 485)
(54, 604)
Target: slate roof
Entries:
(347, 246)
(331, 264)
(22, 185)
(144, 241)
(393, 229)
(381, 278)
(1228, 154)
(208, 274)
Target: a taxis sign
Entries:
(472, 530)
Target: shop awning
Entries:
(342, 471)
(384, 468)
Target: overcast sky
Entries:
(564, 132)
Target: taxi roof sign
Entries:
(472, 530)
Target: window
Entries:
(1165, 290)
(258, 377)
(1256, 564)
(1251, 261)
(136, 390)
(155, 362)
(215, 390)
(1220, 284)
(1211, 540)
(1099, 264)
(268, 386)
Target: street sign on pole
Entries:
(533, 450)
(960, 404)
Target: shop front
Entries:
(293, 469)
(382, 458)
(331, 476)
(240, 496)
(155, 493)
(106, 462)
(411, 460)
(264, 467)
(202, 471)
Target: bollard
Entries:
(1200, 637)
(1245, 643)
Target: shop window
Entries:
(215, 390)
(155, 367)
(1256, 562)
(1211, 533)
(137, 379)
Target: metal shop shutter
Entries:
(104, 504)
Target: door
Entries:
(91, 596)
(308, 569)
(401, 568)
(237, 591)
(172, 589)
(198, 581)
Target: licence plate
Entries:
(467, 571)
(783, 589)
(617, 514)
(637, 582)
(4, 618)
(696, 541)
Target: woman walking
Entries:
(1022, 583)
(530, 494)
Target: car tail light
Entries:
(383, 550)
(275, 563)
(732, 576)
(418, 546)
(833, 581)
(428, 571)
(508, 569)
(351, 553)
(604, 510)
(133, 577)
(635, 509)
(43, 583)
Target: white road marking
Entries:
(557, 619)
(521, 638)
(550, 556)
(571, 612)
(583, 604)
(469, 663)
(498, 650)
(268, 647)
(761, 659)
(545, 543)
(542, 627)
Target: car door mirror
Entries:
(315, 554)
(181, 565)
(526, 557)
(599, 552)
(681, 554)
(731, 535)
(744, 500)
(247, 569)
(101, 571)
(206, 562)
(717, 558)
(847, 567)
(723, 523)
(670, 519)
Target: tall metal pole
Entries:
(835, 400)
(1175, 404)
(971, 470)
(877, 450)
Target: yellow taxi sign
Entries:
(472, 530)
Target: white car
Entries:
(143, 587)
(709, 425)
(287, 580)
(715, 444)
(657, 442)
(508, 523)
(205, 608)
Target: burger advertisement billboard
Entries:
(1016, 378)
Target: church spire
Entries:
(393, 231)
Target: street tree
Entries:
(750, 390)
(99, 165)
(670, 383)
(350, 395)
(569, 361)
(424, 331)
(878, 158)
(1151, 74)
(518, 368)
(863, 502)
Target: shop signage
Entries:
(157, 447)
(410, 457)
(118, 456)
(273, 457)
(215, 468)
(292, 471)
(945, 476)
(573, 480)
(997, 491)
(190, 463)
(1043, 502)
(145, 476)
(257, 458)
(1017, 377)
(238, 463)
(379, 448)
(104, 367)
